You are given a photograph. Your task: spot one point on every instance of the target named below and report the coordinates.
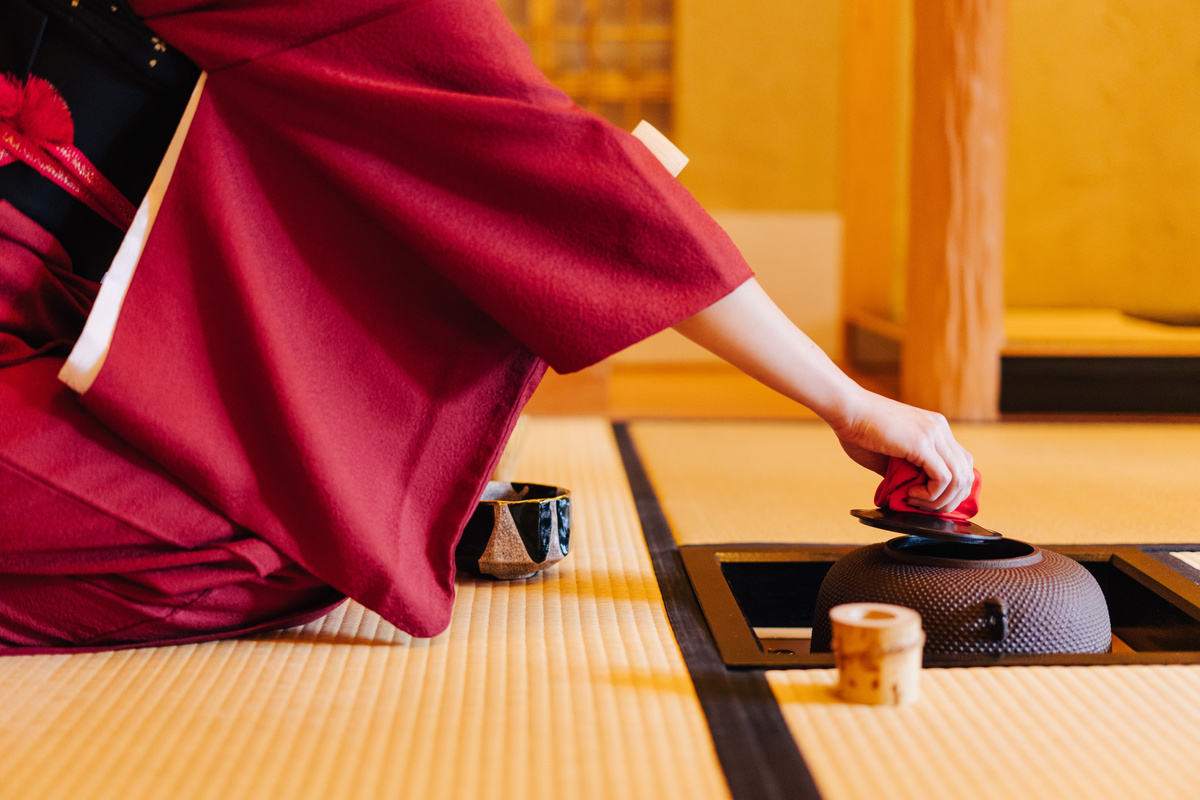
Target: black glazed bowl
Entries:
(995, 598)
(517, 530)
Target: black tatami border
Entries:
(756, 749)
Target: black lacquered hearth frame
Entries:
(1127, 573)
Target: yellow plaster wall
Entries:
(1104, 171)
(1103, 205)
(756, 102)
(877, 118)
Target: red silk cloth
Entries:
(36, 128)
(902, 475)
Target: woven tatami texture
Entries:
(1192, 559)
(1002, 733)
(569, 685)
(1045, 483)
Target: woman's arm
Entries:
(748, 330)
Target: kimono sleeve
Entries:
(431, 120)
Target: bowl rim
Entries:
(556, 493)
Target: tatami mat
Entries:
(725, 482)
(1003, 733)
(1192, 559)
(569, 685)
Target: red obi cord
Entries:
(36, 128)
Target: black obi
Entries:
(126, 91)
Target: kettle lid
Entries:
(928, 526)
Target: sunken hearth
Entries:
(759, 602)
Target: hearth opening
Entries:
(759, 601)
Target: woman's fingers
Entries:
(933, 495)
(951, 478)
(950, 469)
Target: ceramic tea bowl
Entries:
(517, 530)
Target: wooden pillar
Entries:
(954, 297)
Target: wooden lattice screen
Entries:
(612, 57)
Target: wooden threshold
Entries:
(1066, 332)
(1093, 333)
(1069, 361)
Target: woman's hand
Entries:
(874, 428)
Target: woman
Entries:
(376, 226)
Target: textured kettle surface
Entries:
(1053, 606)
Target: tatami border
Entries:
(757, 751)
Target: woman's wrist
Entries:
(841, 404)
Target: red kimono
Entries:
(383, 224)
